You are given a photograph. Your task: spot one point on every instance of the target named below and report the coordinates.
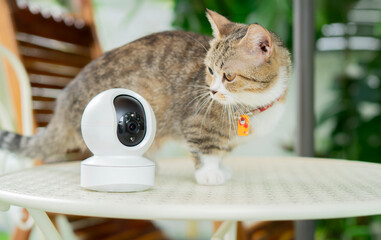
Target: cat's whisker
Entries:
(199, 89)
(240, 110)
(202, 105)
(224, 119)
(237, 115)
(230, 127)
(231, 119)
(234, 114)
(202, 88)
(200, 92)
(206, 50)
(223, 115)
(198, 86)
(198, 97)
(207, 111)
(244, 108)
(202, 101)
(202, 108)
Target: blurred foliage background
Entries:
(353, 115)
(274, 14)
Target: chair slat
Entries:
(40, 54)
(45, 92)
(52, 44)
(43, 99)
(51, 68)
(38, 85)
(49, 80)
(43, 111)
(32, 70)
(43, 105)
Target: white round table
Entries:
(261, 189)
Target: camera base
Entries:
(117, 173)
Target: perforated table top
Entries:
(261, 189)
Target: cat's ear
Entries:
(220, 24)
(258, 41)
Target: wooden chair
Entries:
(53, 48)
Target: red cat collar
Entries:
(264, 108)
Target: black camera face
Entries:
(131, 123)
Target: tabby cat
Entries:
(197, 86)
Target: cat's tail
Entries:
(12, 142)
(21, 145)
(46, 145)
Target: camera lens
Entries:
(132, 127)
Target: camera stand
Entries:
(117, 173)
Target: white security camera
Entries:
(118, 126)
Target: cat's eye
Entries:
(230, 76)
(210, 71)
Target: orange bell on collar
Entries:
(243, 125)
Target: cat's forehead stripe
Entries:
(219, 53)
(237, 34)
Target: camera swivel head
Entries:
(118, 126)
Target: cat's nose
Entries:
(212, 91)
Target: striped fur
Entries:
(11, 141)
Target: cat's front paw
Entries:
(211, 176)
